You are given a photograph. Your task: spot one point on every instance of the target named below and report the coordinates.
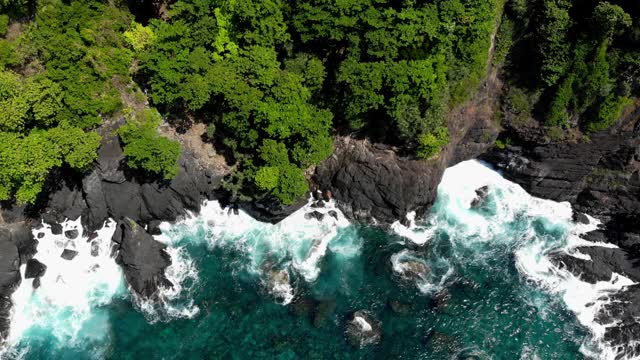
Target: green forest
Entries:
(274, 81)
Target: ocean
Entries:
(462, 282)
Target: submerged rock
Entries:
(34, 269)
(399, 307)
(302, 306)
(279, 285)
(278, 282)
(442, 344)
(324, 309)
(142, 258)
(409, 266)
(363, 329)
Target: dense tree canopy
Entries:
(585, 70)
(271, 76)
(59, 77)
(275, 80)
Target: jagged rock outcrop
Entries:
(373, 181)
(110, 190)
(599, 176)
(17, 246)
(142, 258)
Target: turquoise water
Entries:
(475, 303)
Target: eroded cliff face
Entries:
(371, 181)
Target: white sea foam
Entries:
(67, 303)
(362, 324)
(298, 242)
(510, 204)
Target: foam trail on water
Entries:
(67, 303)
(297, 244)
(546, 228)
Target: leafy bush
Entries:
(138, 36)
(504, 40)
(25, 161)
(430, 144)
(608, 112)
(517, 102)
(4, 24)
(145, 149)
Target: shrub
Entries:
(430, 144)
(4, 24)
(145, 149)
(608, 112)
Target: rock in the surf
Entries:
(69, 254)
(35, 269)
(481, 197)
(71, 234)
(363, 329)
(142, 258)
(314, 215)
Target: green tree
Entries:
(430, 144)
(138, 36)
(145, 149)
(554, 46)
(609, 18)
(4, 24)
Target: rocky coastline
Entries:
(370, 183)
(599, 176)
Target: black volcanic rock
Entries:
(481, 196)
(110, 190)
(34, 269)
(598, 177)
(56, 229)
(71, 234)
(69, 254)
(314, 215)
(268, 209)
(9, 264)
(9, 276)
(142, 258)
(374, 181)
(579, 217)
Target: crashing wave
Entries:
(507, 203)
(175, 302)
(299, 242)
(67, 302)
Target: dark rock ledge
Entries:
(600, 177)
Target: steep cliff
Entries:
(372, 181)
